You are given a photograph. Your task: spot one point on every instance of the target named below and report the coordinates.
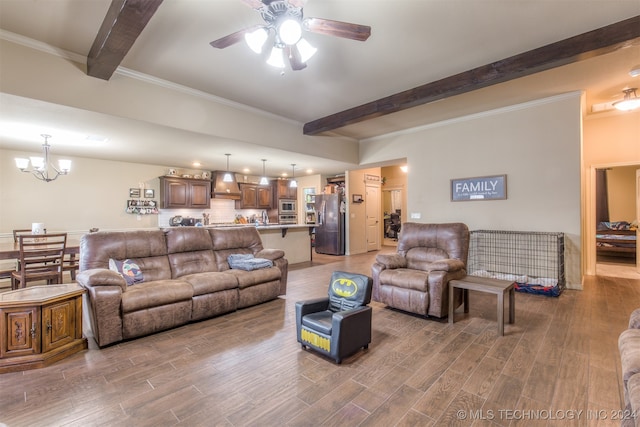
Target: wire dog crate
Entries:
(534, 260)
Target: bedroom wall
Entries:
(537, 145)
(621, 188)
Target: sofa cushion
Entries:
(154, 268)
(129, 270)
(247, 279)
(629, 346)
(634, 319)
(420, 258)
(152, 294)
(416, 280)
(207, 283)
(632, 394)
(248, 262)
(452, 238)
(97, 248)
(188, 239)
(185, 263)
(236, 240)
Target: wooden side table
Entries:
(39, 326)
(485, 284)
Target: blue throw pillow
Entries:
(128, 269)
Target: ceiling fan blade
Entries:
(254, 4)
(233, 38)
(328, 27)
(294, 58)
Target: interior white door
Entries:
(372, 210)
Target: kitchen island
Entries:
(293, 239)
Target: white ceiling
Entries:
(413, 42)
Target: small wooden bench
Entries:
(485, 284)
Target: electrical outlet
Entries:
(415, 215)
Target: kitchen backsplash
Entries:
(221, 211)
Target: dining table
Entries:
(11, 250)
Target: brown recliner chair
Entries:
(416, 278)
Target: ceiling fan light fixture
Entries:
(256, 39)
(630, 101)
(290, 31)
(276, 58)
(306, 50)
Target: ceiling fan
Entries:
(285, 19)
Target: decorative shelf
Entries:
(142, 207)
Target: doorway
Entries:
(617, 201)
(392, 202)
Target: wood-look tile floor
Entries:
(557, 365)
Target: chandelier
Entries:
(40, 165)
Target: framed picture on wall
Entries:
(149, 193)
(134, 193)
(479, 188)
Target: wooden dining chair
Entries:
(20, 232)
(70, 262)
(5, 273)
(40, 259)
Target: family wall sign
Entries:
(479, 188)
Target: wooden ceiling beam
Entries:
(578, 48)
(120, 28)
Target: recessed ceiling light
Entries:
(196, 164)
(96, 138)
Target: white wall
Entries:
(40, 75)
(94, 194)
(537, 145)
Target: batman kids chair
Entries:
(339, 324)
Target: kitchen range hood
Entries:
(224, 190)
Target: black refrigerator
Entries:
(330, 210)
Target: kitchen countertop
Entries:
(263, 227)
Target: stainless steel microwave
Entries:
(287, 206)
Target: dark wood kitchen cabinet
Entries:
(285, 191)
(254, 196)
(184, 193)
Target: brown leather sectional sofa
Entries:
(629, 347)
(186, 277)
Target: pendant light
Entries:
(264, 180)
(293, 183)
(228, 176)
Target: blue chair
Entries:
(340, 324)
